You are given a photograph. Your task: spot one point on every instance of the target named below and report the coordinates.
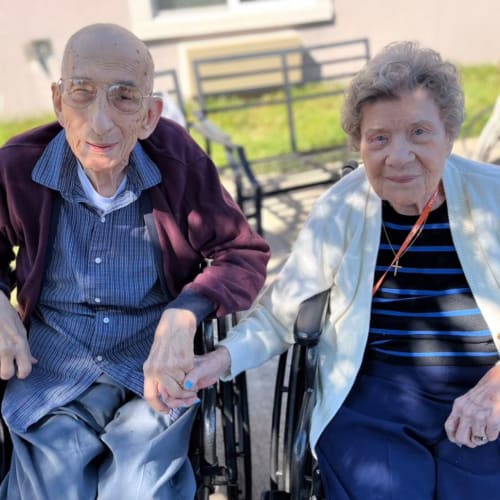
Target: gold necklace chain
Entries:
(396, 264)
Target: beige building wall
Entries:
(24, 83)
(464, 31)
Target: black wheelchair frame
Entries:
(228, 402)
(294, 472)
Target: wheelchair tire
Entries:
(236, 430)
(234, 410)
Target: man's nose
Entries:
(101, 114)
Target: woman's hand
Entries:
(209, 368)
(475, 417)
(170, 358)
(15, 354)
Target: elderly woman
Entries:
(408, 390)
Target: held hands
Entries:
(210, 367)
(15, 355)
(475, 416)
(170, 358)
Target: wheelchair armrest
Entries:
(307, 327)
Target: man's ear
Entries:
(56, 102)
(151, 118)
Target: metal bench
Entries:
(285, 79)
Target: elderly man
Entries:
(113, 215)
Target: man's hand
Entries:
(15, 355)
(475, 417)
(170, 358)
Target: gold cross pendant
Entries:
(396, 266)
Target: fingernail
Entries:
(188, 384)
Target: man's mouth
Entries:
(100, 148)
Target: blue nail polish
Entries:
(188, 384)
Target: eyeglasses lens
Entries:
(80, 93)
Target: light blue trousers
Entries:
(103, 445)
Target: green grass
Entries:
(14, 127)
(264, 131)
(481, 86)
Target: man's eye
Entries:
(125, 93)
(81, 90)
(81, 94)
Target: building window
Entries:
(161, 19)
(186, 4)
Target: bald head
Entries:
(109, 46)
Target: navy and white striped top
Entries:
(426, 314)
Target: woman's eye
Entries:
(378, 139)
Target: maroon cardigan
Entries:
(194, 216)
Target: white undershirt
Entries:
(103, 203)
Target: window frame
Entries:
(236, 16)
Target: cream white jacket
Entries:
(337, 248)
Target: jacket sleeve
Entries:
(218, 230)
(197, 221)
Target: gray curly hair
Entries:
(398, 68)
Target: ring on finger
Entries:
(479, 439)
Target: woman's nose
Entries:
(399, 152)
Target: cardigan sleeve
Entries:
(316, 255)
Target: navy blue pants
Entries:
(388, 442)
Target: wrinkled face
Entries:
(404, 146)
(100, 135)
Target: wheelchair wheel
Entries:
(236, 431)
(233, 406)
(220, 454)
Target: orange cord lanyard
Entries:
(413, 231)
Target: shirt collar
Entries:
(57, 169)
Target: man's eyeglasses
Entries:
(81, 92)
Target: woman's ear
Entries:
(151, 117)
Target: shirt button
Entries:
(98, 260)
(105, 320)
(98, 358)
(103, 219)
(97, 300)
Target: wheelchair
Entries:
(225, 403)
(294, 472)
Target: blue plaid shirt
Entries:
(101, 299)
